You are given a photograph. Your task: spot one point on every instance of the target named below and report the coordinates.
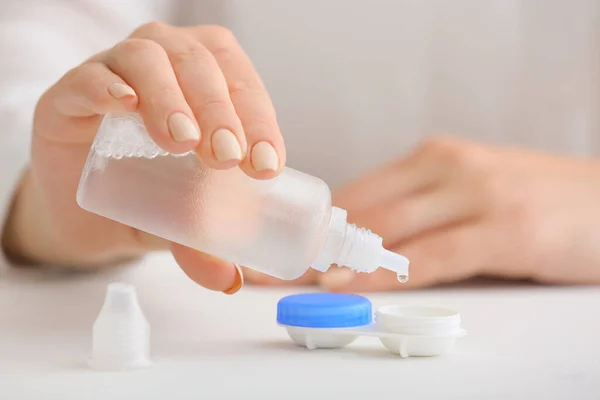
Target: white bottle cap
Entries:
(121, 333)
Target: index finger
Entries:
(252, 103)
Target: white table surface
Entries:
(523, 342)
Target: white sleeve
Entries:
(40, 40)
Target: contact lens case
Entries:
(331, 320)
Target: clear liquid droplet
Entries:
(403, 278)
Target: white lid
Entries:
(418, 320)
(121, 333)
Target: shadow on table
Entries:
(352, 350)
(265, 349)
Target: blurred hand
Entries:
(458, 209)
(195, 88)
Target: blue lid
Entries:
(324, 310)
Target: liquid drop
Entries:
(403, 278)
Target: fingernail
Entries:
(120, 90)
(182, 128)
(336, 278)
(264, 157)
(237, 283)
(226, 146)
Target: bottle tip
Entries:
(395, 262)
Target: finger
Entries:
(223, 142)
(145, 66)
(440, 257)
(85, 92)
(440, 206)
(409, 175)
(93, 89)
(258, 278)
(208, 271)
(266, 155)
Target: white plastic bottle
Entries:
(281, 226)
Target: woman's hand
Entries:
(458, 209)
(195, 88)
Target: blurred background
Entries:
(386, 73)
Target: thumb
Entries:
(208, 271)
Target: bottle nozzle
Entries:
(357, 248)
(395, 262)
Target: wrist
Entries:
(15, 234)
(27, 237)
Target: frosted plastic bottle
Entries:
(281, 227)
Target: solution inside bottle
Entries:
(281, 226)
